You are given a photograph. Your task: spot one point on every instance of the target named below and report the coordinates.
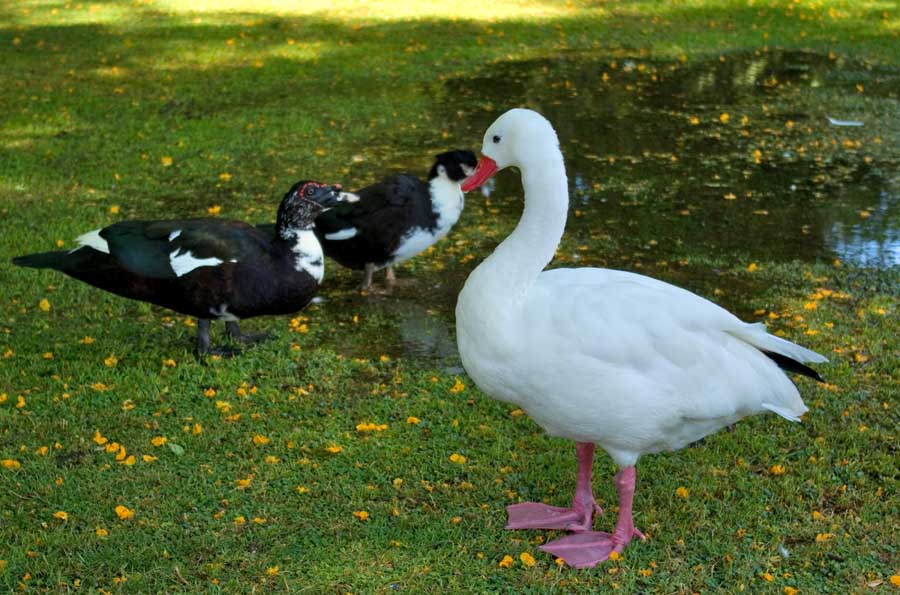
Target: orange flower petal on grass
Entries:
(124, 513)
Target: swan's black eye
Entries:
(496, 139)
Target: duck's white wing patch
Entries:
(92, 239)
(309, 254)
(344, 234)
(174, 234)
(184, 262)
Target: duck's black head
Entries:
(454, 165)
(305, 201)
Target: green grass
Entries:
(99, 97)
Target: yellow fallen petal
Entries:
(123, 512)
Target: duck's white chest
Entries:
(308, 254)
(447, 202)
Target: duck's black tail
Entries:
(42, 260)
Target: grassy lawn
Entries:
(322, 461)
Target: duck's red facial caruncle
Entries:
(487, 167)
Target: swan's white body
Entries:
(621, 360)
(600, 356)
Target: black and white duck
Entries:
(208, 268)
(396, 218)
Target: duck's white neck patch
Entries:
(447, 202)
(308, 252)
(92, 239)
(183, 262)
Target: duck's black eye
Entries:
(310, 190)
(496, 139)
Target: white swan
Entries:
(600, 356)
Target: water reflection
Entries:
(873, 241)
(419, 328)
(735, 155)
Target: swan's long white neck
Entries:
(519, 259)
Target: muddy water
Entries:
(731, 156)
(751, 157)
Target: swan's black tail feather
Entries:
(792, 365)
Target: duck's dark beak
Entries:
(329, 196)
(487, 167)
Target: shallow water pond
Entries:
(762, 156)
(733, 155)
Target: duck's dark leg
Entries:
(203, 336)
(389, 279)
(367, 277)
(578, 517)
(203, 342)
(234, 329)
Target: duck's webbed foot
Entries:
(234, 330)
(203, 342)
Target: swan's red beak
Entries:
(486, 168)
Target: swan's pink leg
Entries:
(586, 549)
(536, 515)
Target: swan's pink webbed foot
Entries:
(536, 515)
(578, 517)
(588, 548)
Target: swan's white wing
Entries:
(656, 350)
(628, 302)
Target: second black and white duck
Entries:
(208, 268)
(396, 218)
